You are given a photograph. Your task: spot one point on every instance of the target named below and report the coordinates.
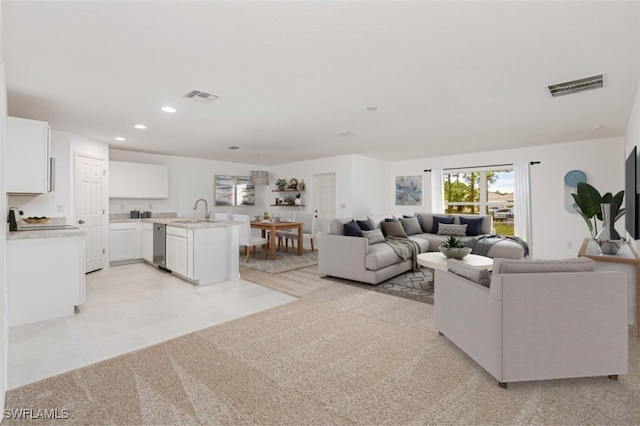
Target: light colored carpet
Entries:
(284, 262)
(338, 355)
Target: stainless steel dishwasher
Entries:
(159, 244)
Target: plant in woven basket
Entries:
(453, 247)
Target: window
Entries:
(482, 192)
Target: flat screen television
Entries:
(631, 197)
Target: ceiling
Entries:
(441, 77)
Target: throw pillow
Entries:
(474, 273)
(411, 225)
(351, 229)
(390, 219)
(365, 225)
(393, 229)
(374, 236)
(457, 230)
(440, 219)
(474, 225)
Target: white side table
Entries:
(436, 260)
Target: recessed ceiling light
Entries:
(597, 127)
(372, 107)
(140, 126)
(345, 133)
(168, 109)
(120, 139)
(234, 147)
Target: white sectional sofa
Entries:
(355, 259)
(537, 319)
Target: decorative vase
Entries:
(302, 185)
(609, 240)
(455, 253)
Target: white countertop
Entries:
(45, 233)
(176, 221)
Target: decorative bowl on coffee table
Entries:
(455, 253)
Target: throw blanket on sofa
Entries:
(483, 243)
(405, 249)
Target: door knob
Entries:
(81, 221)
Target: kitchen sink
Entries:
(191, 221)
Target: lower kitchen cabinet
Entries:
(125, 241)
(45, 278)
(177, 251)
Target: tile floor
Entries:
(127, 308)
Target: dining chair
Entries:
(308, 231)
(246, 239)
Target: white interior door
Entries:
(88, 208)
(324, 200)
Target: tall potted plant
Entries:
(606, 208)
(589, 202)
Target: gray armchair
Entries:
(538, 319)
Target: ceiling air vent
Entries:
(199, 96)
(575, 86)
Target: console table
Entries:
(627, 260)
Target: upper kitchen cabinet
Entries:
(27, 164)
(138, 180)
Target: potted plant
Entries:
(453, 248)
(298, 201)
(589, 205)
(281, 184)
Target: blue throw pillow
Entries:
(351, 229)
(474, 224)
(440, 219)
(390, 219)
(364, 225)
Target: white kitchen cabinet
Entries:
(153, 181)
(45, 277)
(27, 156)
(123, 179)
(125, 241)
(177, 250)
(138, 180)
(147, 241)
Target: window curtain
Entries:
(522, 203)
(437, 191)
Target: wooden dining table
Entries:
(272, 227)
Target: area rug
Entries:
(410, 285)
(285, 261)
(339, 355)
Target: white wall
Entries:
(3, 236)
(556, 232)
(189, 180)
(632, 137)
(370, 186)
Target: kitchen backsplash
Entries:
(121, 216)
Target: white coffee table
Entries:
(436, 260)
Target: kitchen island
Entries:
(200, 252)
(45, 274)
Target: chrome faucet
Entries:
(207, 214)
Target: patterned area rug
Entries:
(411, 285)
(285, 261)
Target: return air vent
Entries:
(199, 96)
(575, 86)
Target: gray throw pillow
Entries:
(411, 225)
(393, 229)
(474, 273)
(375, 236)
(457, 230)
